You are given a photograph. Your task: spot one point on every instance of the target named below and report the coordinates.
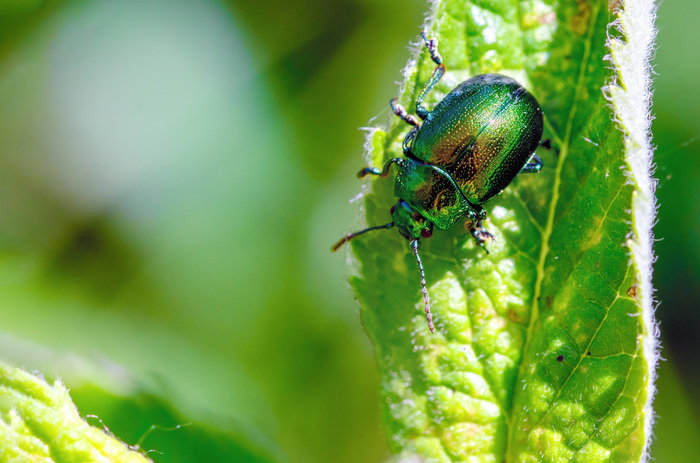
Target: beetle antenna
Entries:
(424, 290)
(350, 236)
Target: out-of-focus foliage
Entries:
(170, 181)
(172, 173)
(677, 270)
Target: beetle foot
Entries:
(547, 144)
(480, 234)
(400, 111)
(432, 44)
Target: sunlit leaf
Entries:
(41, 424)
(545, 347)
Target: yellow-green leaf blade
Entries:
(41, 424)
(543, 350)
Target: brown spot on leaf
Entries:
(582, 18)
(614, 5)
(632, 291)
(514, 317)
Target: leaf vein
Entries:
(576, 368)
(544, 250)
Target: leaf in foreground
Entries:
(41, 424)
(545, 348)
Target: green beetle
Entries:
(458, 156)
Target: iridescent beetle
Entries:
(458, 156)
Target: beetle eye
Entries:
(425, 233)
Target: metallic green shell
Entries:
(481, 134)
(431, 192)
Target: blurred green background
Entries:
(172, 174)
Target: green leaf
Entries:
(545, 348)
(41, 424)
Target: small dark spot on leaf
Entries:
(589, 353)
(560, 358)
(549, 300)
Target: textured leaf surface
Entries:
(543, 352)
(41, 424)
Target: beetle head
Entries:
(413, 227)
(410, 223)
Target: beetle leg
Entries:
(437, 75)
(480, 234)
(534, 166)
(431, 45)
(382, 173)
(400, 111)
(438, 72)
(547, 144)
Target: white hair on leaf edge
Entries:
(630, 95)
